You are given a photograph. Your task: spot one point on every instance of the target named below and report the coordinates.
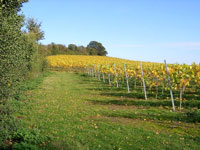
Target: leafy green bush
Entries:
(28, 139)
(15, 52)
(8, 124)
(19, 52)
(25, 139)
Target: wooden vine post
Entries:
(98, 72)
(144, 87)
(182, 89)
(109, 81)
(126, 76)
(92, 72)
(103, 77)
(116, 76)
(95, 71)
(89, 71)
(170, 88)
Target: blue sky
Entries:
(146, 30)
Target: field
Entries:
(152, 78)
(78, 112)
(77, 107)
(55, 96)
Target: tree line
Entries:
(93, 48)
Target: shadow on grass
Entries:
(192, 97)
(150, 114)
(105, 88)
(136, 98)
(151, 103)
(156, 114)
(134, 94)
(87, 81)
(137, 94)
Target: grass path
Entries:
(67, 107)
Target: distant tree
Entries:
(72, 47)
(62, 49)
(57, 49)
(34, 27)
(94, 48)
(53, 49)
(91, 51)
(81, 48)
(100, 49)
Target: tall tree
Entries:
(100, 49)
(34, 27)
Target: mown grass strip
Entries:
(64, 108)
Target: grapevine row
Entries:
(150, 75)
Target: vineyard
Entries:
(155, 80)
(55, 96)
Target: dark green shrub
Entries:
(8, 124)
(28, 139)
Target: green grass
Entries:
(12, 133)
(78, 112)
